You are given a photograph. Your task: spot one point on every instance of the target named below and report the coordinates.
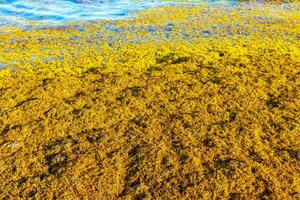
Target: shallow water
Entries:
(61, 11)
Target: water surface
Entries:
(62, 11)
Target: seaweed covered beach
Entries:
(177, 102)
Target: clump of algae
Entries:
(178, 103)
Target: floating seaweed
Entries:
(97, 115)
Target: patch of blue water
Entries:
(62, 11)
(1, 66)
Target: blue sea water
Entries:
(62, 11)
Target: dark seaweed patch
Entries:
(294, 154)
(136, 91)
(51, 145)
(181, 60)
(5, 130)
(232, 116)
(209, 171)
(77, 112)
(291, 152)
(43, 176)
(138, 121)
(209, 109)
(225, 163)
(140, 196)
(70, 101)
(13, 168)
(164, 58)
(46, 82)
(21, 103)
(208, 142)
(79, 94)
(132, 183)
(56, 163)
(183, 159)
(216, 80)
(182, 188)
(221, 54)
(266, 194)
(21, 181)
(254, 156)
(31, 194)
(272, 103)
(8, 128)
(94, 135)
(234, 196)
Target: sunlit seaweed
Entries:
(179, 102)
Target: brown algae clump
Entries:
(178, 103)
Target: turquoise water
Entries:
(62, 11)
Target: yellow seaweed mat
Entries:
(178, 103)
